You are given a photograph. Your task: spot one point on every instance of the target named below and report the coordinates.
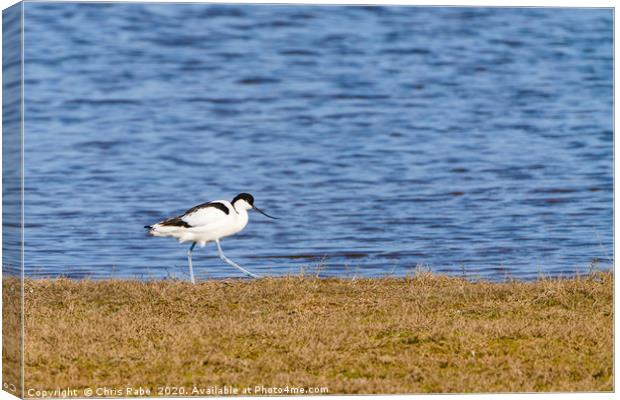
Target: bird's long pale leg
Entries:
(189, 261)
(230, 262)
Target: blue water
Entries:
(471, 141)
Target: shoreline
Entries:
(315, 272)
(421, 334)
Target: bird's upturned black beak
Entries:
(262, 212)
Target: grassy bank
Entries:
(422, 334)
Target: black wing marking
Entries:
(178, 221)
(215, 204)
(175, 221)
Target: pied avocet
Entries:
(209, 222)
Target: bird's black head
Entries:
(244, 196)
(249, 199)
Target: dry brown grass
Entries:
(12, 335)
(425, 333)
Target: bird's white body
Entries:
(205, 223)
